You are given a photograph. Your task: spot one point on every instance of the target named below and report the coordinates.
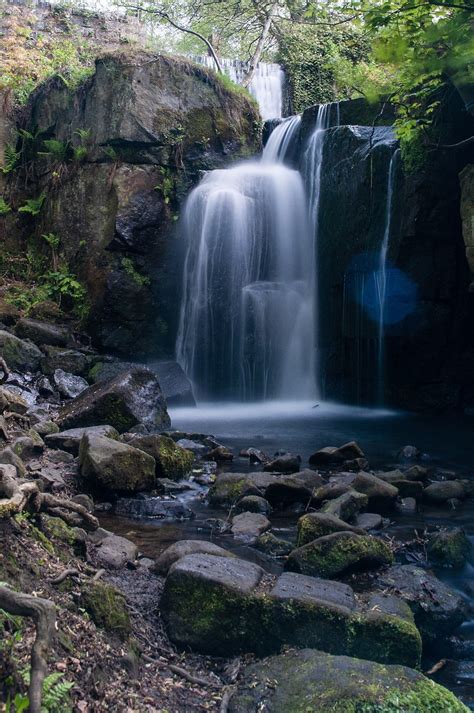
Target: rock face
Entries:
(112, 465)
(155, 122)
(130, 398)
(310, 680)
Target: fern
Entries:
(55, 698)
(10, 159)
(4, 207)
(33, 205)
(79, 153)
(110, 152)
(84, 134)
(56, 149)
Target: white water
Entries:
(247, 317)
(266, 85)
(281, 139)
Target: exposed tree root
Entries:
(43, 613)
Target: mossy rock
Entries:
(19, 354)
(311, 681)
(106, 607)
(172, 461)
(449, 548)
(339, 553)
(115, 466)
(318, 524)
(228, 488)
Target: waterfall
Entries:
(266, 85)
(281, 140)
(382, 274)
(247, 317)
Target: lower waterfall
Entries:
(247, 325)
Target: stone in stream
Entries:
(69, 385)
(220, 453)
(441, 491)
(253, 503)
(339, 553)
(318, 524)
(272, 545)
(332, 454)
(249, 525)
(28, 446)
(20, 354)
(197, 448)
(287, 490)
(12, 402)
(449, 548)
(287, 463)
(381, 495)
(131, 398)
(171, 460)
(347, 505)
(109, 464)
(152, 507)
(254, 455)
(114, 551)
(174, 383)
(406, 506)
(215, 605)
(332, 490)
(69, 360)
(42, 332)
(180, 549)
(416, 472)
(309, 680)
(368, 521)
(70, 440)
(409, 453)
(437, 608)
(45, 428)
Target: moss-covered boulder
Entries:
(20, 354)
(42, 332)
(347, 505)
(115, 466)
(228, 488)
(309, 680)
(180, 549)
(339, 553)
(70, 440)
(171, 460)
(381, 495)
(318, 524)
(449, 548)
(106, 607)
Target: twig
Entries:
(226, 700)
(64, 575)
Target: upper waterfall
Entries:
(247, 319)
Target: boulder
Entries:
(198, 449)
(416, 472)
(107, 608)
(441, 491)
(112, 465)
(28, 446)
(69, 385)
(249, 525)
(171, 460)
(8, 457)
(318, 524)
(302, 588)
(380, 495)
(20, 354)
(368, 521)
(332, 454)
(174, 383)
(347, 505)
(70, 440)
(253, 503)
(287, 463)
(406, 506)
(220, 454)
(272, 545)
(339, 553)
(332, 490)
(254, 455)
(180, 549)
(409, 453)
(230, 487)
(133, 397)
(287, 490)
(437, 608)
(42, 332)
(69, 360)
(46, 428)
(309, 680)
(114, 551)
(11, 401)
(449, 548)
(9, 314)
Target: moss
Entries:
(41, 538)
(227, 489)
(57, 529)
(385, 638)
(173, 461)
(106, 606)
(449, 548)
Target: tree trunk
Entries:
(260, 45)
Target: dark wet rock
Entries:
(347, 505)
(9, 314)
(70, 440)
(51, 478)
(9, 457)
(221, 453)
(449, 548)
(12, 402)
(254, 455)
(180, 549)
(69, 385)
(391, 476)
(69, 360)
(380, 495)
(409, 453)
(29, 446)
(60, 457)
(300, 587)
(174, 383)
(368, 521)
(356, 464)
(42, 332)
(45, 387)
(440, 492)
(153, 507)
(406, 506)
(167, 486)
(317, 524)
(253, 503)
(197, 448)
(46, 428)
(249, 525)
(310, 680)
(409, 488)
(287, 490)
(332, 490)
(310, 478)
(171, 460)
(389, 604)
(133, 397)
(332, 454)
(416, 472)
(287, 463)
(230, 487)
(339, 553)
(84, 500)
(106, 463)
(437, 608)
(272, 545)
(114, 551)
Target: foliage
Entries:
(55, 698)
(130, 269)
(56, 149)
(33, 206)
(11, 158)
(166, 187)
(4, 207)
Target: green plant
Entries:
(110, 152)
(10, 159)
(53, 241)
(58, 150)
(84, 134)
(4, 207)
(79, 153)
(166, 187)
(33, 206)
(55, 698)
(130, 269)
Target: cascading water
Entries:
(266, 84)
(247, 318)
